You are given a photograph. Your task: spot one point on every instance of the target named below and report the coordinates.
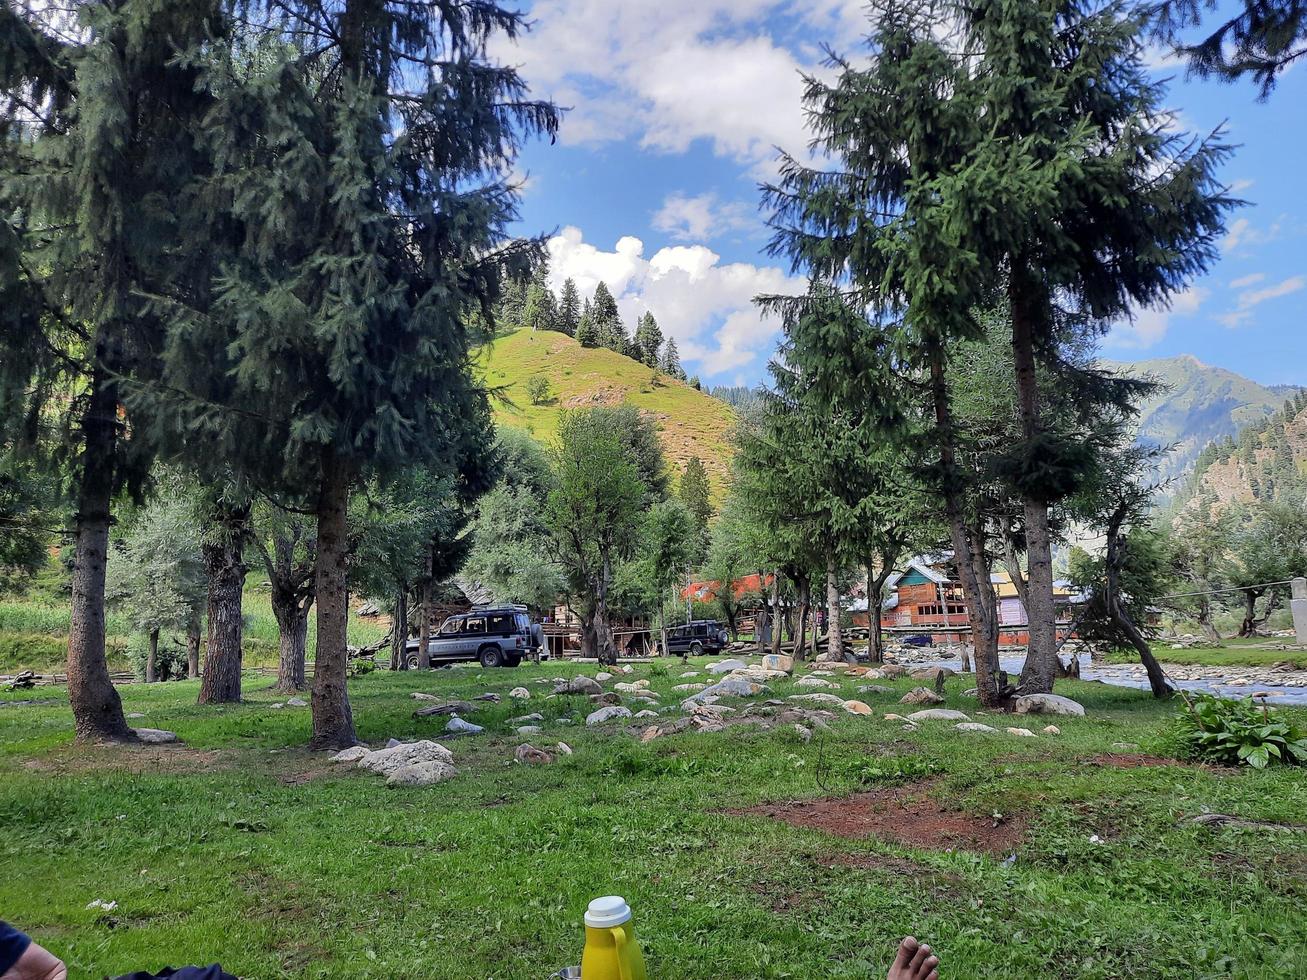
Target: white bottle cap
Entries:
(611, 910)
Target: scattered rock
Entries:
(631, 687)
(419, 696)
(603, 675)
(1051, 730)
(386, 761)
(938, 714)
(921, 695)
(155, 736)
(816, 682)
(564, 748)
(819, 698)
(579, 685)
(670, 728)
(892, 672)
(448, 708)
(689, 687)
(803, 733)
(874, 689)
(520, 693)
(894, 717)
(971, 692)
(691, 673)
(1023, 732)
(351, 754)
(932, 673)
(135, 715)
(778, 661)
(607, 714)
(1125, 746)
(296, 703)
(460, 727)
(527, 719)
(488, 696)
(278, 704)
(392, 742)
(529, 730)
(1048, 704)
(731, 687)
(102, 904)
(529, 755)
(606, 698)
(646, 713)
(974, 726)
(725, 666)
(857, 708)
(422, 773)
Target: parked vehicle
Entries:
(497, 636)
(696, 637)
(920, 640)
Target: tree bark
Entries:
(1041, 666)
(778, 620)
(292, 645)
(399, 632)
(97, 709)
(1248, 628)
(834, 630)
(193, 649)
(424, 624)
(152, 658)
(1205, 621)
(968, 548)
(605, 648)
(224, 562)
(333, 721)
(1113, 561)
(875, 598)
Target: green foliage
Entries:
(1258, 38)
(693, 491)
(538, 390)
(1239, 732)
(648, 339)
(670, 363)
(170, 662)
(569, 308)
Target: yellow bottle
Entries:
(611, 950)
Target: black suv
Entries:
(498, 636)
(696, 637)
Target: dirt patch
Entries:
(886, 863)
(139, 760)
(905, 815)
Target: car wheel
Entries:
(696, 649)
(492, 657)
(413, 662)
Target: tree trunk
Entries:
(605, 648)
(834, 630)
(1248, 628)
(424, 627)
(97, 709)
(193, 649)
(1114, 559)
(1041, 666)
(801, 627)
(968, 550)
(292, 636)
(778, 619)
(152, 658)
(225, 565)
(875, 598)
(333, 722)
(1205, 622)
(399, 632)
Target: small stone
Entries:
(392, 742)
(1022, 732)
(607, 714)
(296, 703)
(892, 672)
(529, 730)
(448, 708)
(460, 727)
(816, 682)
(385, 761)
(731, 687)
(155, 736)
(422, 773)
(351, 754)
(803, 733)
(564, 748)
(606, 698)
(1125, 746)
(778, 661)
(725, 666)
(819, 698)
(894, 717)
(631, 687)
(488, 696)
(857, 708)
(134, 715)
(526, 719)
(938, 714)
(1048, 704)
(646, 713)
(277, 704)
(520, 694)
(1051, 730)
(529, 755)
(579, 685)
(419, 696)
(974, 726)
(690, 673)
(874, 689)
(689, 687)
(932, 673)
(603, 675)
(921, 695)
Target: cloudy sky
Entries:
(676, 107)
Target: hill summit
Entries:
(690, 422)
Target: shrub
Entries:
(1238, 732)
(538, 390)
(169, 663)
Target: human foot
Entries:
(914, 962)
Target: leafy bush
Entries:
(169, 663)
(1238, 732)
(538, 390)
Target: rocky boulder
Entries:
(422, 774)
(820, 698)
(937, 714)
(921, 695)
(778, 661)
(731, 687)
(155, 736)
(520, 693)
(725, 666)
(1022, 732)
(974, 726)
(579, 685)
(529, 755)
(458, 726)
(385, 761)
(351, 754)
(607, 714)
(932, 674)
(857, 708)
(816, 682)
(1048, 704)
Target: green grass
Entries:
(691, 423)
(34, 634)
(243, 847)
(1234, 652)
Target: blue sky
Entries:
(675, 108)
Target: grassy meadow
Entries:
(240, 846)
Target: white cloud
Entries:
(1147, 327)
(1249, 299)
(1243, 282)
(706, 305)
(1243, 233)
(1242, 184)
(702, 216)
(670, 72)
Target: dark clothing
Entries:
(13, 944)
(213, 972)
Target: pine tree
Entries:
(608, 321)
(648, 339)
(347, 315)
(694, 494)
(569, 308)
(670, 364)
(1262, 39)
(587, 333)
(949, 187)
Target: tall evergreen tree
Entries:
(608, 321)
(346, 309)
(1262, 38)
(648, 339)
(1024, 150)
(99, 144)
(694, 494)
(670, 362)
(569, 308)
(587, 332)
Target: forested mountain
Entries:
(1199, 405)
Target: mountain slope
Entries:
(1200, 404)
(690, 423)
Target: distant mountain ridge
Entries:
(1200, 405)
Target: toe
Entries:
(918, 963)
(907, 949)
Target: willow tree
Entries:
(1022, 158)
(362, 152)
(98, 109)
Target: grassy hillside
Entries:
(1199, 405)
(690, 423)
